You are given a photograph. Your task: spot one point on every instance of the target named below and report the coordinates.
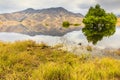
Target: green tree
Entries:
(98, 24)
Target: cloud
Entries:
(110, 5)
(80, 6)
(85, 4)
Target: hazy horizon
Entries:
(76, 6)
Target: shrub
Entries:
(65, 24)
(89, 48)
(46, 24)
(76, 24)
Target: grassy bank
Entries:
(27, 60)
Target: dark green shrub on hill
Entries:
(65, 24)
(76, 24)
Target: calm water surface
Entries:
(74, 37)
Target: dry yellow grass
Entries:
(27, 60)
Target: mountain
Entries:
(43, 21)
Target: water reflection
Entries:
(75, 37)
(95, 34)
(111, 42)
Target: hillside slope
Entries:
(45, 21)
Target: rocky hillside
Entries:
(45, 21)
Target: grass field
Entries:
(27, 60)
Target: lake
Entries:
(74, 37)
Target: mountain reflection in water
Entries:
(75, 37)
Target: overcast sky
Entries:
(79, 6)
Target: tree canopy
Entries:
(98, 24)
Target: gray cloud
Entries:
(110, 5)
(84, 6)
(9, 6)
(80, 6)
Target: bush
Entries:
(65, 24)
(76, 24)
(89, 48)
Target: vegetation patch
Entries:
(27, 60)
(66, 24)
(76, 24)
(98, 24)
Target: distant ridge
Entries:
(48, 10)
